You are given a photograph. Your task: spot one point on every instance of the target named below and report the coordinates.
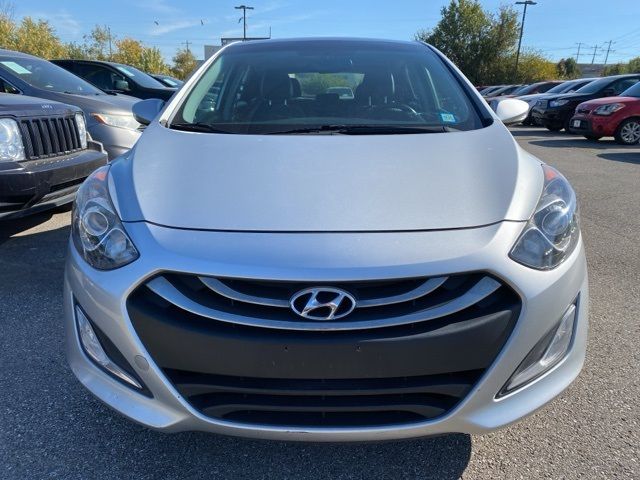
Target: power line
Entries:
(526, 3)
(187, 43)
(595, 51)
(606, 57)
(578, 54)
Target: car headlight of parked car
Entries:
(82, 129)
(11, 147)
(97, 232)
(552, 232)
(558, 103)
(122, 120)
(608, 109)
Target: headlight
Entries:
(97, 232)
(11, 147)
(558, 103)
(117, 120)
(552, 232)
(608, 109)
(82, 129)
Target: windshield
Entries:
(172, 82)
(633, 91)
(45, 75)
(595, 86)
(143, 79)
(282, 87)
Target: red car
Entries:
(617, 117)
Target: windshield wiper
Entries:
(366, 129)
(197, 127)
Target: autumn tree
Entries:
(634, 65)
(153, 62)
(184, 62)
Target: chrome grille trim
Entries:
(483, 288)
(223, 289)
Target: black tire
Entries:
(628, 132)
(593, 138)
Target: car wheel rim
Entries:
(631, 132)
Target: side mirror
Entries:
(510, 110)
(121, 85)
(609, 92)
(146, 110)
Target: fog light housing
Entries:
(94, 350)
(547, 353)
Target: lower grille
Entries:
(323, 402)
(50, 136)
(389, 362)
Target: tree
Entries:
(97, 45)
(37, 37)
(184, 62)
(634, 65)
(153, 62)
(475, 40)
(568, 68)
(615, 69)
(129, 52)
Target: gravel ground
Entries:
(50, 427)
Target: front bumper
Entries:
(116, 140)
(27, 187)
(550, 117)
(321, 258)
(593, 125)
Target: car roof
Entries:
(14, 53)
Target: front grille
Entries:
(50, 136)
(411, 350)
(583, 111)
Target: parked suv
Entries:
(118, 78)
(45, 154)
(108, 116)
(296, 264)
(565, 87)
(617, 117)
(555, 112)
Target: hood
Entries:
(328, 183)
(23, 105)
(103, 103)
(533, 96)
(573, 97)
(607, 100)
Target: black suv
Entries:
(45, 154)
(555, 112)
(117, 78)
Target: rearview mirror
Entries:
(510, 110)
(146, 110)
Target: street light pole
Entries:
(244, 9)
(526, 3)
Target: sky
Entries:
(554, 27)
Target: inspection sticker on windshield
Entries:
(448, 117)
(19, 69)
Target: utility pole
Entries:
(187, 43)
(244, 9)
(526, 3)
(578, 54)
(109, 33)
(595, 50)
(606, 57)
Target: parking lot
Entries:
(50, 427)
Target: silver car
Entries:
(274, 261)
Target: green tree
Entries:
(129, 52)
(98, 44)
(634, 65)
(184, 62)
(153, 62)
(76, 51)
(475, 40)
(615, 69)
(568, 68)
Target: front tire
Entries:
(628, 132)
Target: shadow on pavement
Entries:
(576, 142)
(626, 157)
(9, 228)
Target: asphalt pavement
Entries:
(50, 427)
